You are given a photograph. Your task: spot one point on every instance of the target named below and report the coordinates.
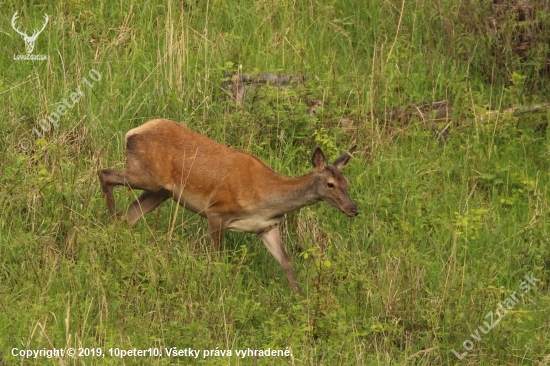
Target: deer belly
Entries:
(253, 225)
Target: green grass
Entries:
(447, 229)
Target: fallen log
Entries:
(237, 84)
(432, 115)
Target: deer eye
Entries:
(330, 185)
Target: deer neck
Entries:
(292, 194)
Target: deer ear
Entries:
(318, 160)
(343, 159)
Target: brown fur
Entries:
(234, 190)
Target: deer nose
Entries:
(351, 211)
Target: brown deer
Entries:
(232, 189)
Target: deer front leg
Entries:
(273, 242)
(216, 230)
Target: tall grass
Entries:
(447, 228)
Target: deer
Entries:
(29, 40)
(232, 189)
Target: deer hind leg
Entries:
(273, 242)
(145, 203)
(110, 178)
